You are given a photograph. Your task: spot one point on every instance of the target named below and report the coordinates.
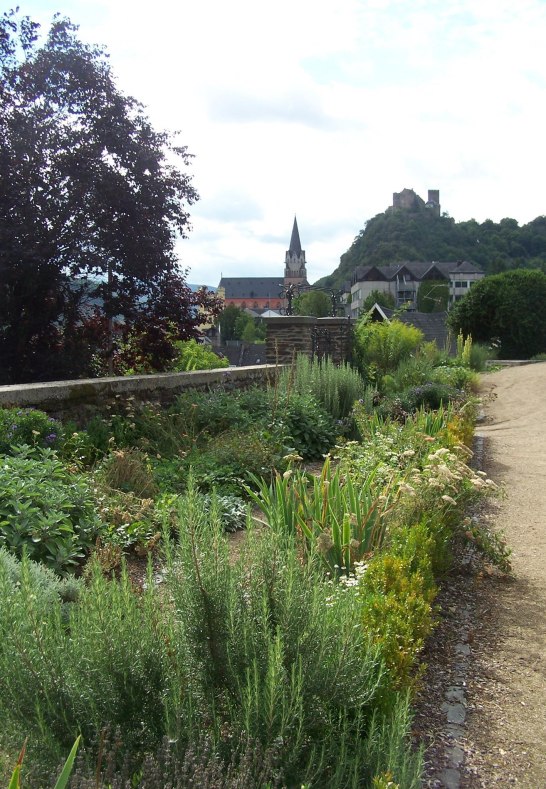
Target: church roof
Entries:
(295, 243)
(251, 287)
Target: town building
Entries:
(402, 280)
(266, 293)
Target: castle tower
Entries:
(433, 202)
(295, 271)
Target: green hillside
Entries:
(397, 235)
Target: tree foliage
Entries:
(237, 324)
(381, 297)
(432, 296)
(395, 236)
(227, 320)
(507, 308)
(88, 188)
(314, 302)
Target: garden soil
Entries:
(492, 633)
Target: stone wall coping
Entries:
(291, 320)
(34, 394)
(303, 320)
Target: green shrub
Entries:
(480, 354)
(192, 355)
(456, 376)
(252, 402)
(380, 346)
(162, 431)
(45, 509)
(170, 473)
(335, 387)
(412, 371)
(397, 591)
(28, 426)
(267, 631)
(232, 511)
(128, 470)
(85, 447)
(306, 426)
(429, 396)
(50, 585)
(228, 460)
(401, 405)
(433, 354)
(105, 668)
(213, 412)
(257, 657)
(127, 519)
(166, 431)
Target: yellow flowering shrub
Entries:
(397, 592)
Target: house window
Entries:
(405, 295)
(461, 284)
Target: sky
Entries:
(321, 109)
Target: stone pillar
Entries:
(338, 333)
(315, 337)
(286, 336)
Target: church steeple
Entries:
(295, 271)
(295, 243)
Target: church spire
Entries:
(295, 243)
(295, 271)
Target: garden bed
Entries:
(286, 660)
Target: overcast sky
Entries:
(324, 108)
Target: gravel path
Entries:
(481, 711)
(506, 735)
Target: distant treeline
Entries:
(398, 235)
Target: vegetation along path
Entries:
(506, 736)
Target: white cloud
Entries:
(323, 108)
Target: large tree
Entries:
(88, 189)
(507, 308)
(313, 302)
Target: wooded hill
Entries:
(398, 235)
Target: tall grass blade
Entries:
(68, 765)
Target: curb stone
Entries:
(449, 774)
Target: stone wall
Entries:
(80, 399)
(286, 336)
(315, 337)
